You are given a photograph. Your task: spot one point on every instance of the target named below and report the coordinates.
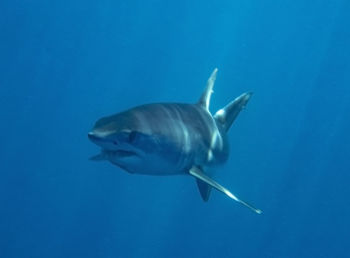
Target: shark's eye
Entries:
(132, 136)
(115, 142)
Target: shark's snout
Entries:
(103, 139)
(93, 137)
(97, 137)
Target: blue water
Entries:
(64, 64)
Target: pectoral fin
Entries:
(199, 175)
(204, 189)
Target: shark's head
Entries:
(127, 140)
(116, 133)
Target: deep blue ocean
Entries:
(64, 64)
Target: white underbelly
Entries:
(149, 164)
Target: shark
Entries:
(171, 139)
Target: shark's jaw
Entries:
(123, 153)
(119, 154)
(113, 146)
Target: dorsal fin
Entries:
(204, 101)
(228, 114)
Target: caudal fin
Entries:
(228, 114)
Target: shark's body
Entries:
(170, 139)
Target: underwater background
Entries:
(64, 64)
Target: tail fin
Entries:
(228, 114)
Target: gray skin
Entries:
(170, 139)
(161, 139)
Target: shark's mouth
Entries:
(124, 153)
